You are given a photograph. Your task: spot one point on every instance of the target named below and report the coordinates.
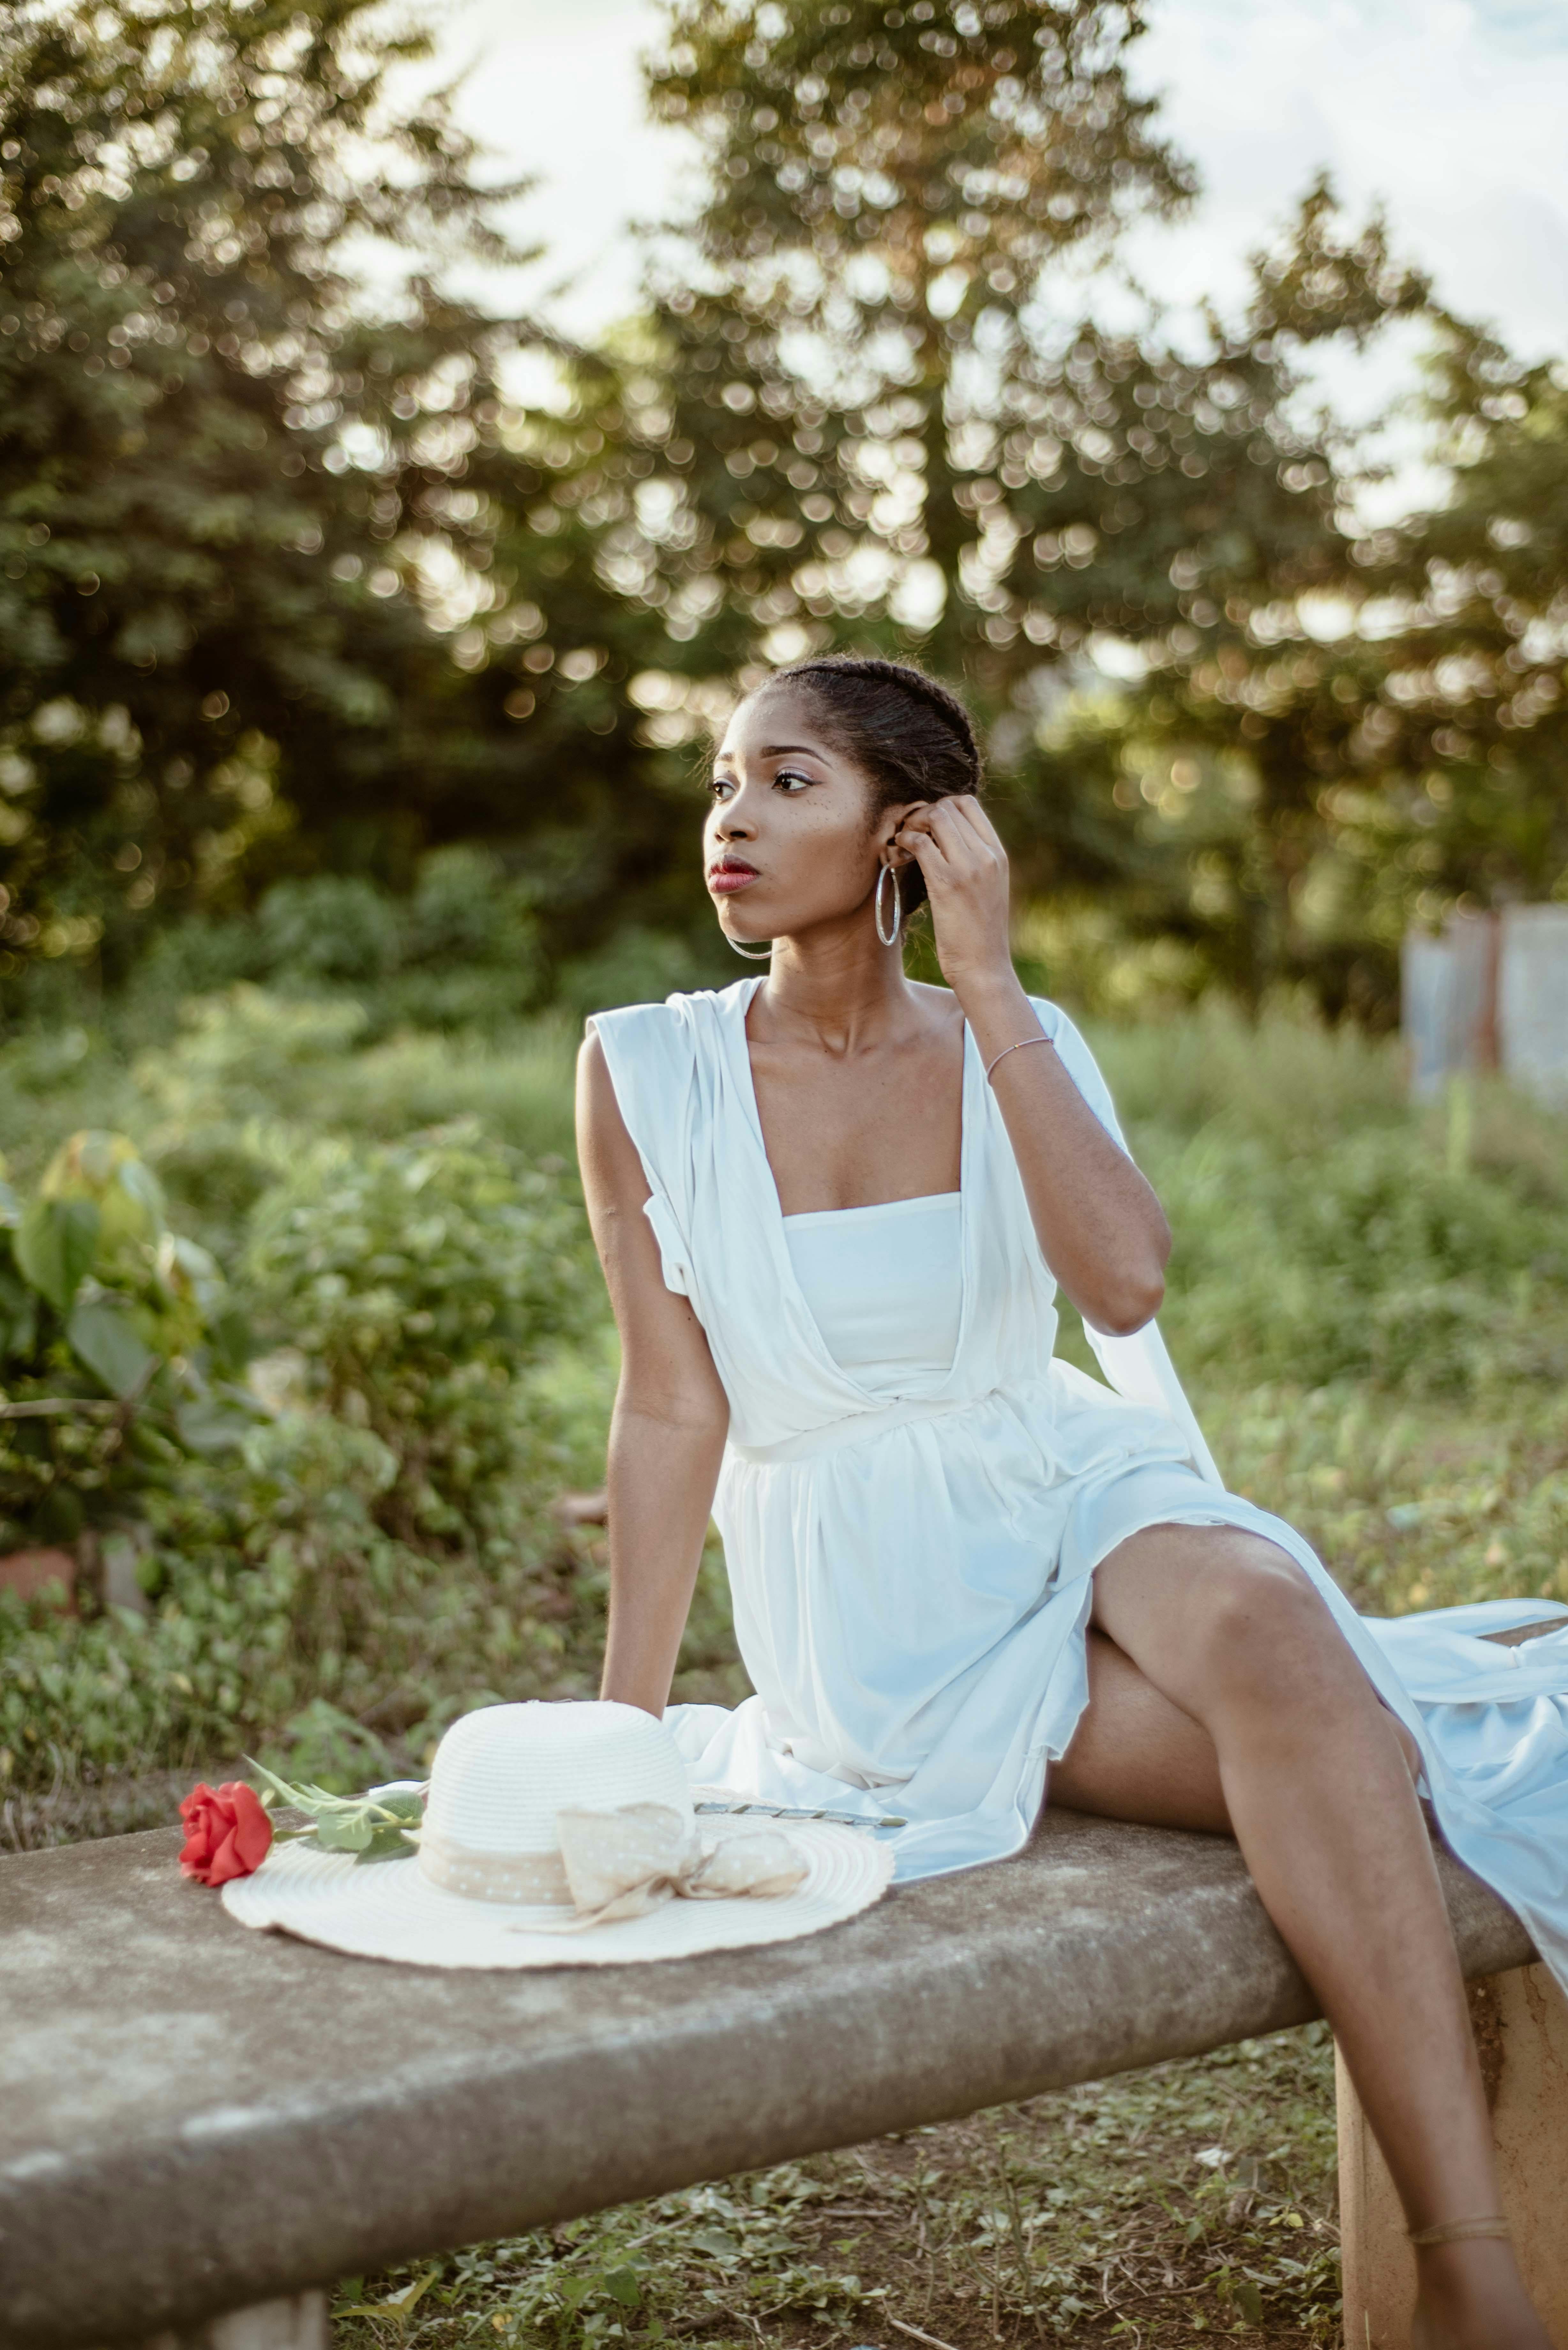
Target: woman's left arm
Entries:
(1100, 1227)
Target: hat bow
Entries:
(625, 1862)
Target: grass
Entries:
(1156, 2209)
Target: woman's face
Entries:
(789, 843)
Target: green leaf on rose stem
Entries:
(372, 1826)
(405, 1804)
(338, 1833)
(279, 1790)
(306, 1797)
(387, 1842)
(625, 2286)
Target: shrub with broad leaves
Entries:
(422, 1282)
(121, 1350)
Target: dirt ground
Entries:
(1195, 2199)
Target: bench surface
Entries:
(195, 2117)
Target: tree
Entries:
(889, 425)
(242, 569)
(1474, 724)
(1398, 709)
(886, 190)
(1246, 732)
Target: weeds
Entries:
(1196, 2199)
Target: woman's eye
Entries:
(720, 787)
(787, 780)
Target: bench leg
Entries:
(1520, 2023)
(297, 2323)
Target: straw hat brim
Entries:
(391, 1910)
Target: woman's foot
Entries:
(1470, 2296)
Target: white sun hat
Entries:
(564, 1835)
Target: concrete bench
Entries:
(201, 2127)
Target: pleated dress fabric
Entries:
(911, 1522)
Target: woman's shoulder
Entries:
(673, 1031)
(662, 1060)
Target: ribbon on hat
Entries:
(624, 1863)
(618, 1864)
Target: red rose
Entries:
(227, 1831)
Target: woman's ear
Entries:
(891, 820)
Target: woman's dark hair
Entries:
(909, 734)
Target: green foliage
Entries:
(1324, 1231)
(295, 591)
(119, 1349)
(883, 201)
(288, 1607)
(421, 1282)
(1191, 2199)
(378, 1551)
(331, 928)
(890, 426)
(460, 951)
(222, 1107)
(1473, 720)
(250, 518)
(372, 1826)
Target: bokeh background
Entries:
(412, 431)
(1078, 361)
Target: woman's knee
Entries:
(1258, 1619)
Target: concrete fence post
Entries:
(1520, 2023)
(299, 2323)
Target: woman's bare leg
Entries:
(1137, 1756)
(1315, 1783)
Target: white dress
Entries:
(915, 1495)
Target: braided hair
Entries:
(909, 733)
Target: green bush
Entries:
(1365, 1260)
(378, 1551)
(460, 951)
(250, 1072)
(332, 928)
(119, 1349)
(420, 1281)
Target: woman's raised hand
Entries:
(957, 850)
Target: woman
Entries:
(833, 1209)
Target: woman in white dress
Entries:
(833, 1209)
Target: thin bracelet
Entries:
(1040, 1039)
(1459, 2232)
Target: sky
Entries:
(1449, 112)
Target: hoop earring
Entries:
(752, 954)
(889, 938)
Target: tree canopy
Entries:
(295, 579)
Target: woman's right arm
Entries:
(668, 1429)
